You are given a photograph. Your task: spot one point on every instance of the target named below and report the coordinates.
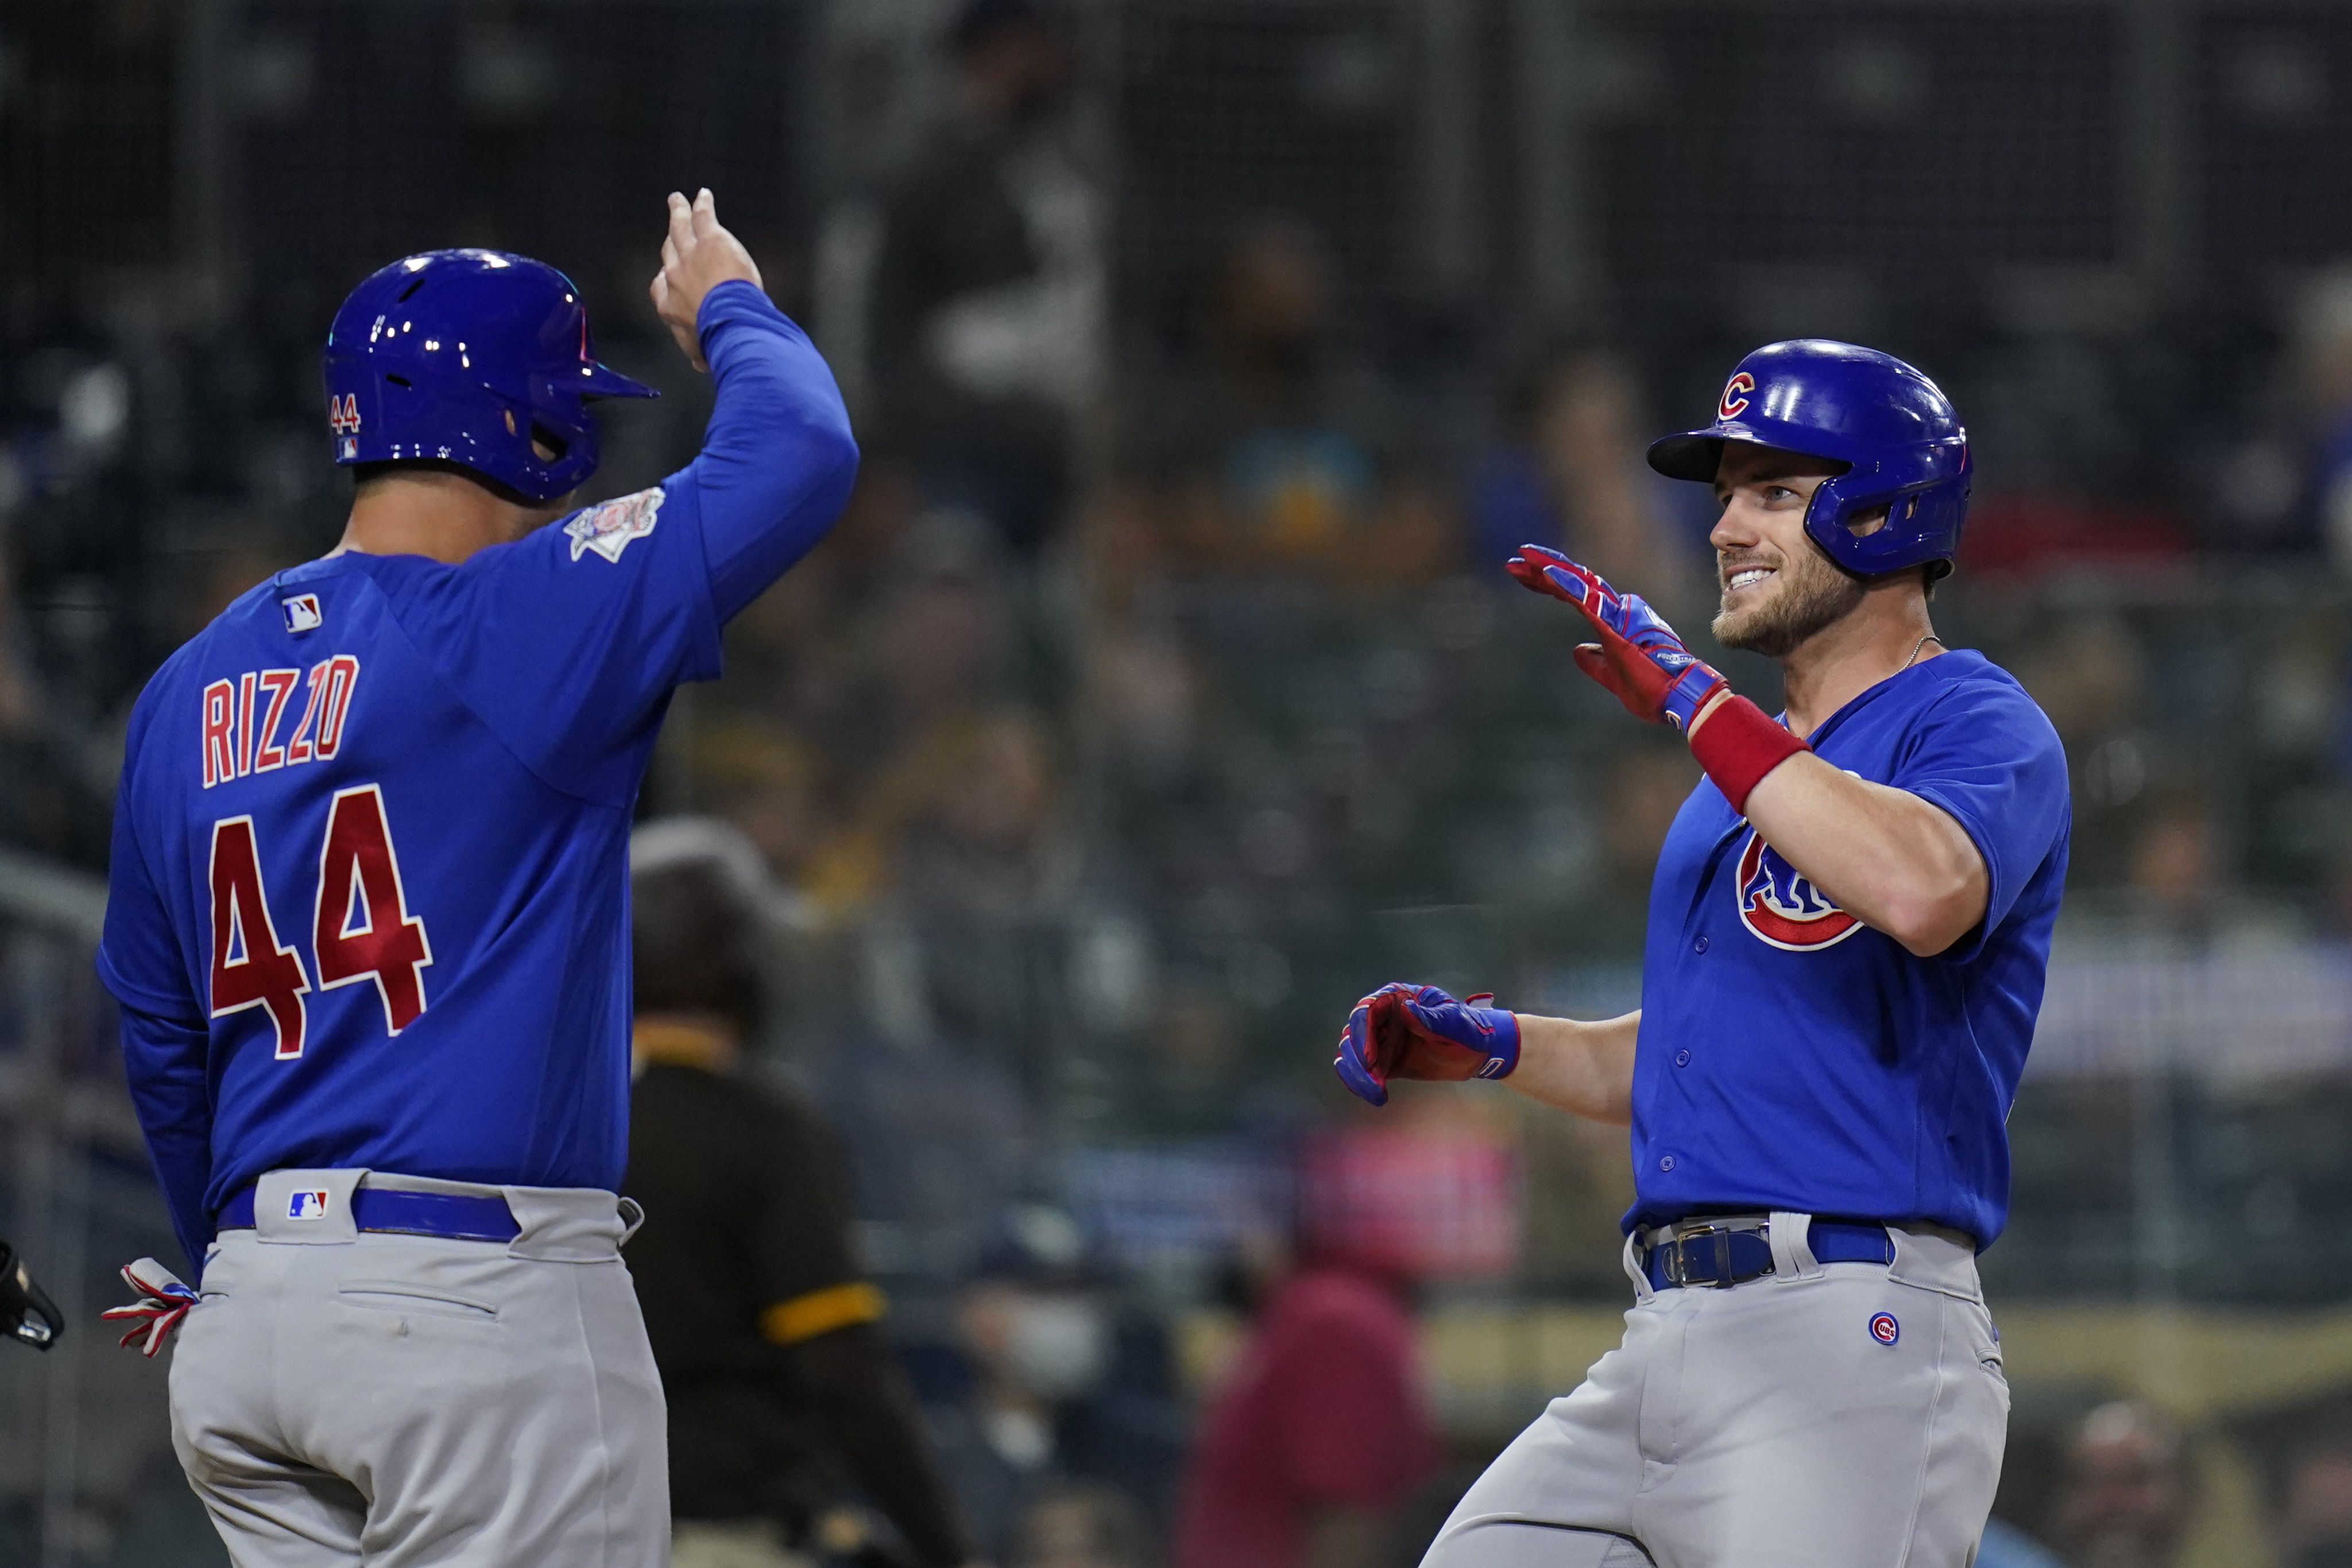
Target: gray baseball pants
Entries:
(1768, 1425)
(341, 1397)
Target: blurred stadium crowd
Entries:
(1158, 693)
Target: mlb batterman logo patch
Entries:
(1885, 1329)
(608, 528)
(310, 1205)
(302, 612)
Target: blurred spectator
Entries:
(985, 313)
(1318, 1435)
(1574, 477)
(2316, 1525)
(977, 878)
(2091, 674)
(940, 637)
(761, 1321)
(1082, 1527)
(2128, 1493)
(765, 784)
(1036, 1321)
(2175, 864)
(1640, 790)
(1281, 461)
(2287, 485)
(975, 851)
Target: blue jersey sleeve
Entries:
(1988, 756)
(778, 460)
(164, 1034)
(568, 644)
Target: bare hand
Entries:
(697, 256)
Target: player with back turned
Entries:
(369, 921)
(1847, 936)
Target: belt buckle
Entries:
(1677, 1259)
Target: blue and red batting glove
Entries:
(1418, 1032)
(1639, 657)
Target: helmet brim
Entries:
(604, 381)
(1694, 455)
(1690, 455)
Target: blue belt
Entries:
(1717, 1255)
(453, 1217)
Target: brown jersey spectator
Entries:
(761, 1321)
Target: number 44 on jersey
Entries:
(360, 930)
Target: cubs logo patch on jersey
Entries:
(608, 527)
(1780, 906)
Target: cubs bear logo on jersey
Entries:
(1781, 906)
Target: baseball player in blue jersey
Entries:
(369, 928)
(1847, 938)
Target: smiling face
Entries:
(1779, 588)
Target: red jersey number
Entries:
(361, 931)
(249, 968)
(364, 930)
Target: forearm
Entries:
(1891, 860)
(778, 460)
(165, 1065)
(848, 1380)
(1584, 1068)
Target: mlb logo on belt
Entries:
(310, 1205)
(302, 612)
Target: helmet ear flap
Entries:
(1923, 520)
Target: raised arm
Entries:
(778, 459)
(1895, 862)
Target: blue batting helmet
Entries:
(468, 356)
(1892, 427)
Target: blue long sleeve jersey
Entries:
(370, 883)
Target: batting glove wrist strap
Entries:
(162, 1302)
(1739, 744)
(1418, 1032)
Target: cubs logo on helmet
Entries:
(1782, 907)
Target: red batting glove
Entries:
(162, 1302)
(1645, 666)
(1418, 1032)
(1639, 658)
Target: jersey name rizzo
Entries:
(246, 719)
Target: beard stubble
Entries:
(1813, 594)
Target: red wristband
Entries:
(1738, 743)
